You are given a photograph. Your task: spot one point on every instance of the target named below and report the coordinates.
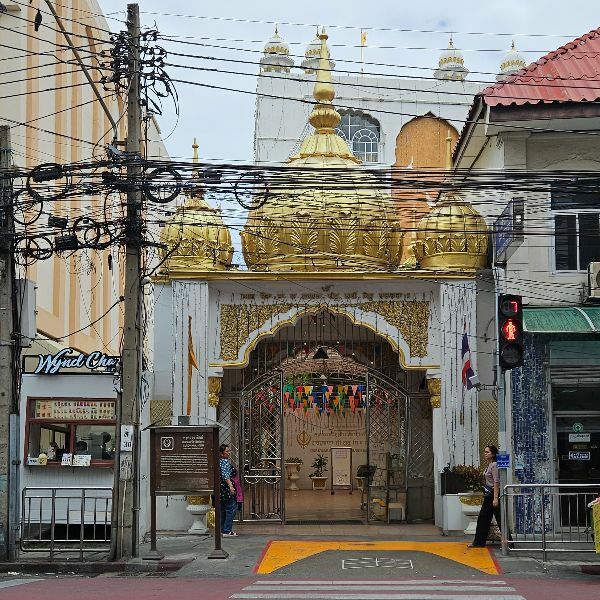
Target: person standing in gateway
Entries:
(227, 491)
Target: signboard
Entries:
(508, 229)
(183, 460)
(126, 438)
(341, 466)
(75, 410)
(579, 455)
(503, 460)
(67, 358)
(579, 437)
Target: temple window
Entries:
(362, 132)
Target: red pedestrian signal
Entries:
(510, 331)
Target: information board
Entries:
(503, 460)
(341, 466)
(183, 460)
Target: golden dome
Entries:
(452, 236)
(334, 218)
(195, 236)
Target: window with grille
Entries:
(576, 229)
(362, 133)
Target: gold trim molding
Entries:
(434, 386)
(214, 390)
(239, 321)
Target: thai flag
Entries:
(467, 371)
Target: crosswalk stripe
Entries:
(379, 581)
(398, 589)
(375, 587)
(280, 595)
(14, 582)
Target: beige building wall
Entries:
(54, 117)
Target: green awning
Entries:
(573, 319)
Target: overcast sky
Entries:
(223, 121)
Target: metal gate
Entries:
(387, 447)
(261, 462)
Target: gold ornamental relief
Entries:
(239, 320)
(214, 389)
(410, 317)
(434, 386)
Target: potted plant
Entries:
(292, 470)
(471, 498)
(320, 466)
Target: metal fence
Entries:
(549, 517)
(61, 520)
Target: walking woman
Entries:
(491, 494)
(227, 492)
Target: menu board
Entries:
(75, 410)
(182, 459)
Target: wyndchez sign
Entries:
(49, 364)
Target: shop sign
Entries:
(50, 364)
(578, 455)
(579, 437)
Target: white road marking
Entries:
(410, 589)
(13, 582)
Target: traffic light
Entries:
(510, 331)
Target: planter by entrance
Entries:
(198, 506)
(292, 474)
(319, 483)
(470, 503)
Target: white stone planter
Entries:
(319, 483)
(292, 474)
(198, 508)
(470, 503)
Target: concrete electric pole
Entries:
(127, 497)
(9, 346)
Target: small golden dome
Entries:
(335, 217)
(196, 238)
(452, 236)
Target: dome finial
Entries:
(276, 29)
(195, 149)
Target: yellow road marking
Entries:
(281, 553)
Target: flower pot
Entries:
(319, 483)
(470, 503)
(198, 507)
(292, 474)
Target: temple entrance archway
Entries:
(320, 383)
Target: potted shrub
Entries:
(292, 471)
(471, 498)
(319, 465)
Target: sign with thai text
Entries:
(579, 437)
(579, 455)
(50, 364)
(503, 460)
(74, 410)
(182, 460)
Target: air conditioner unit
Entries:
(594, 281)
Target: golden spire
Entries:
(197, 190)
(195, 149)
(324, 117)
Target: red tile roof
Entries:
(569, 74)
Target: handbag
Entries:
(488, 491)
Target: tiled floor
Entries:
(322, 505)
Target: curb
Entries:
(94, 568)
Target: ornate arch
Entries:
(403, 323)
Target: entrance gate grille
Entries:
(262, 447)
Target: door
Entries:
(387, 447)
(578, 461)
(261, 441)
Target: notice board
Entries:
(183, 460)
(341, 466)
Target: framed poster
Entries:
(341, 467)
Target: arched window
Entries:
(362, 133)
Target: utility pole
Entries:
(127, 497)
(8, 349)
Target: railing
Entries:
(547, 517)
(63, 520)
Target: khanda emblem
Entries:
(303, 438)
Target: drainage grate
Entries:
(324, 522)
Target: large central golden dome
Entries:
(323, 212)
